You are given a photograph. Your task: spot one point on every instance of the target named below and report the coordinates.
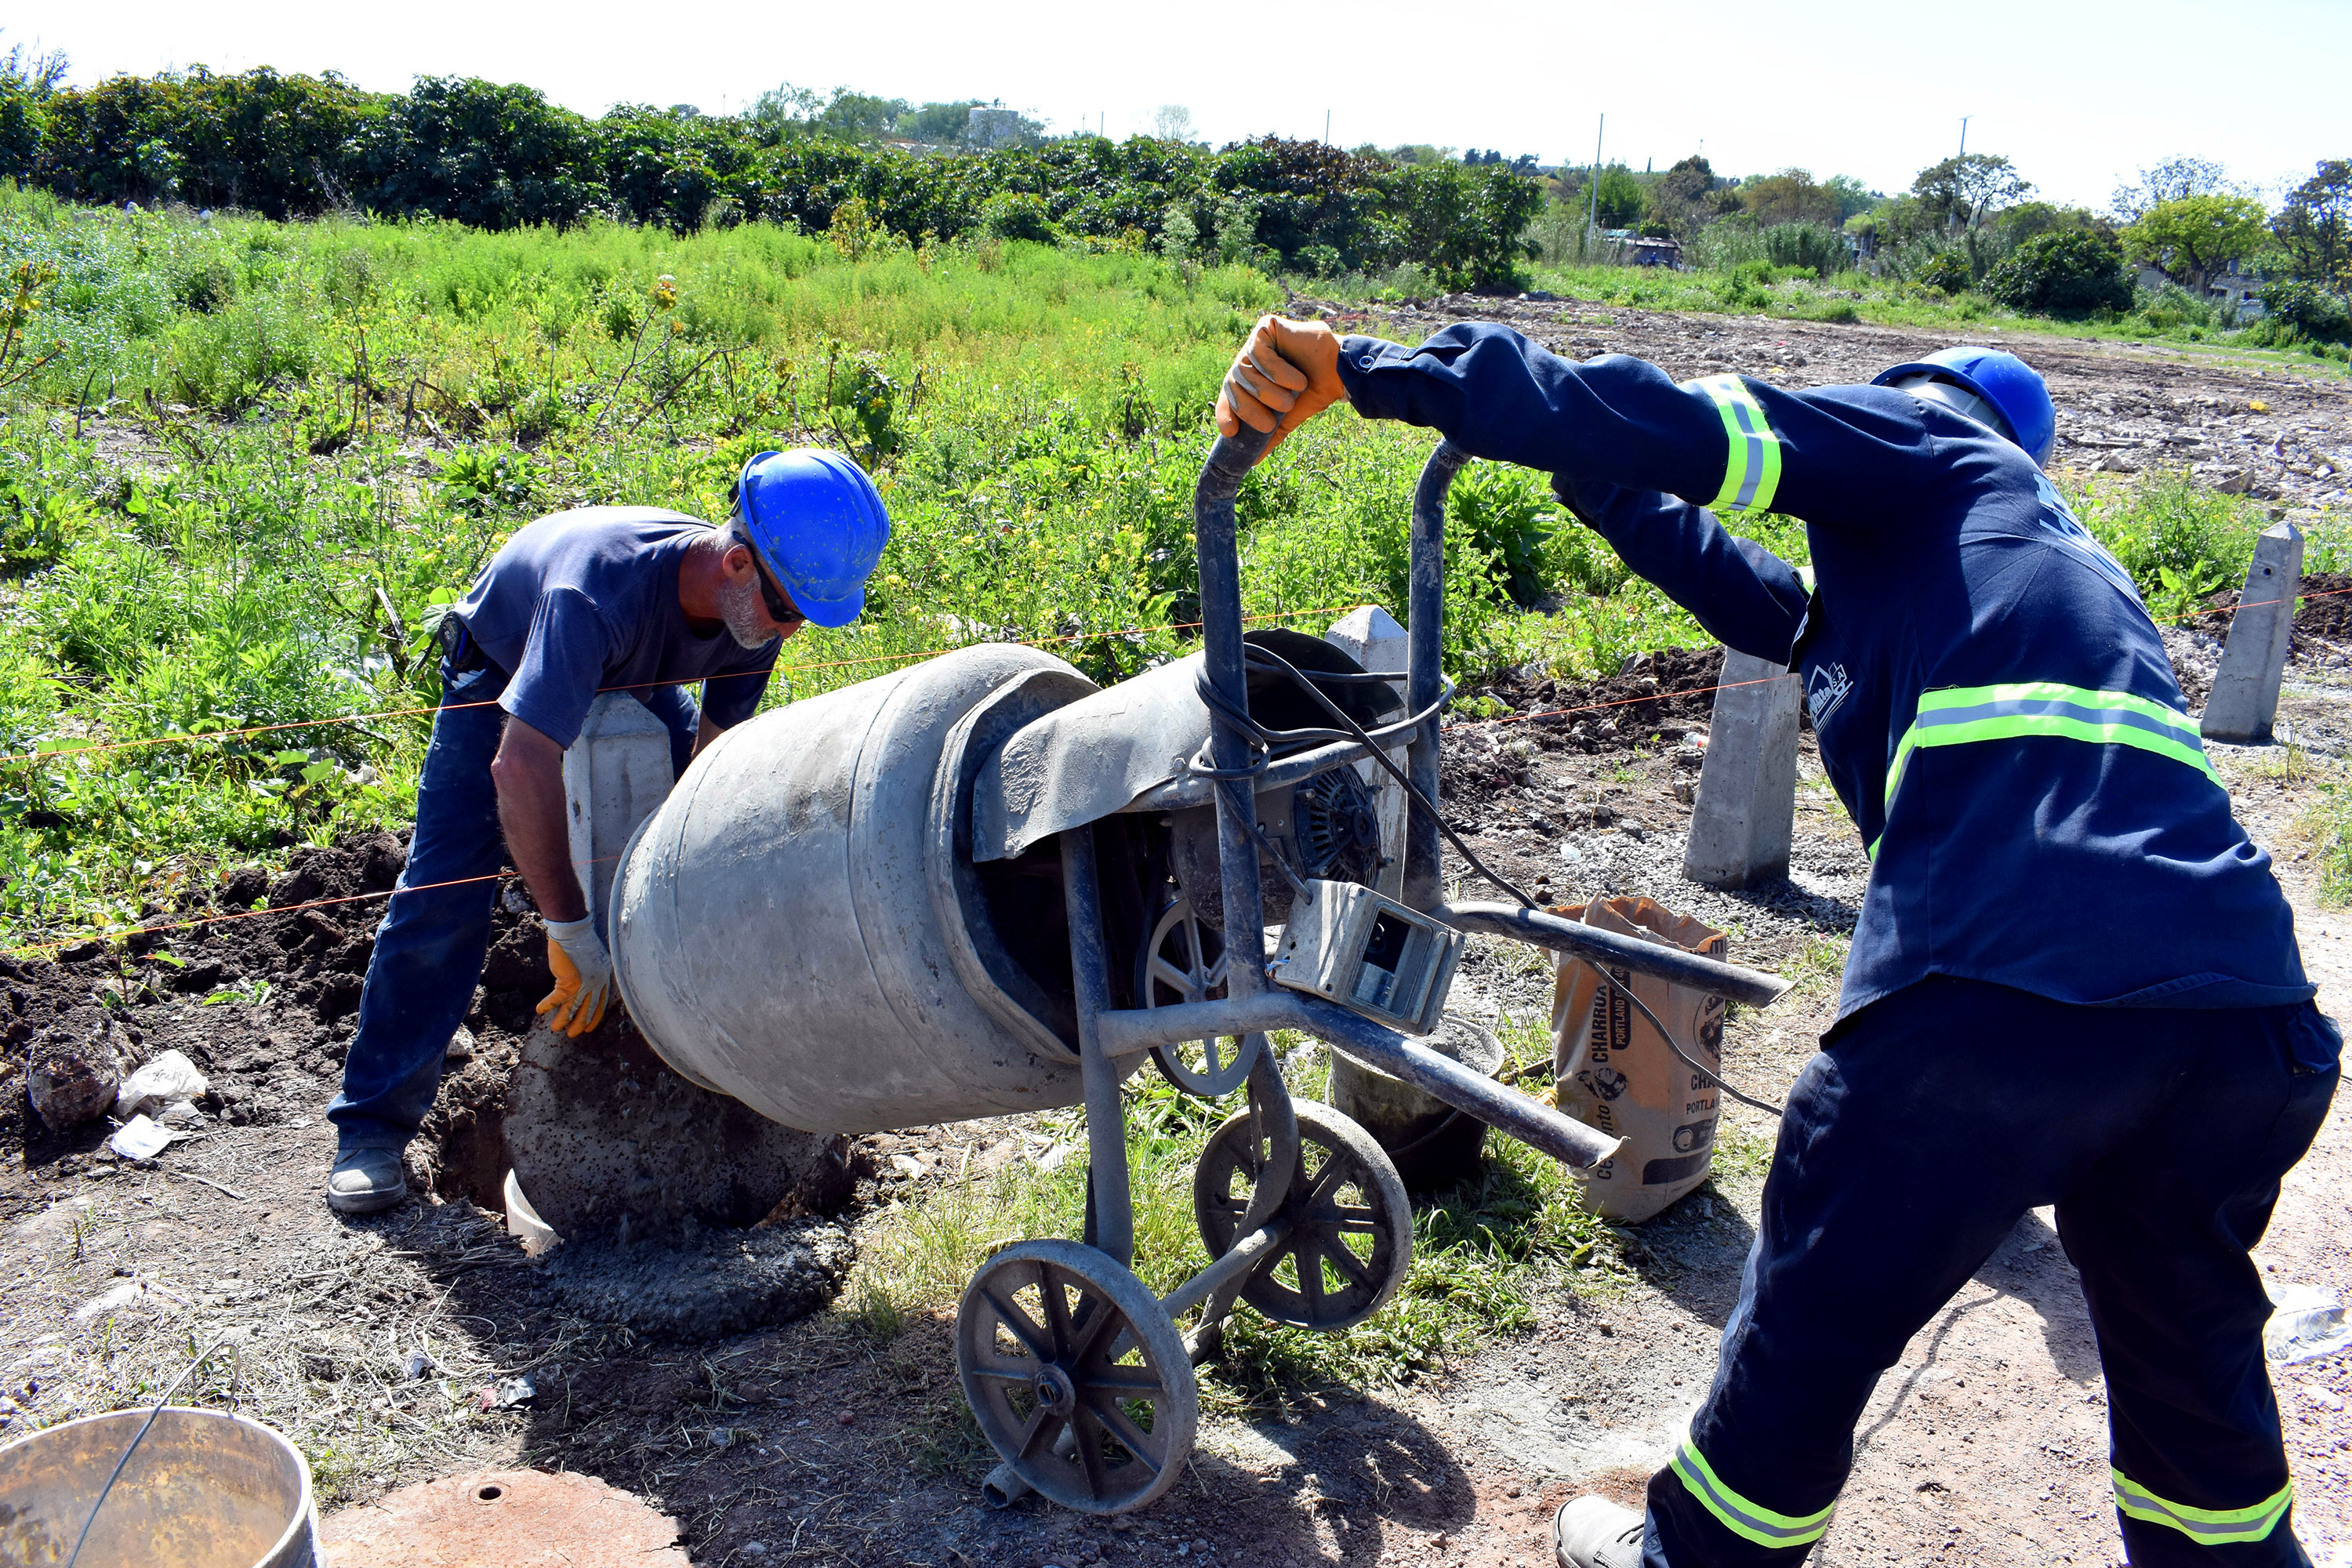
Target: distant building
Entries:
(992, 125)
(2235, 287)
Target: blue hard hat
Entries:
(2015, 388)
(819, 526)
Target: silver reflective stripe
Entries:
(1749, 1521)
(2209, 1526)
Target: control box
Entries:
(1369, 954)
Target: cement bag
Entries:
(1611, 1071)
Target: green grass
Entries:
(1480, 1252)
(2327, 824)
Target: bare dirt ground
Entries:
(423, 1343)
(2122, 409)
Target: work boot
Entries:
(1594, 1533)
(366, 1181)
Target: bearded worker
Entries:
(2072, 978)
(600, 599)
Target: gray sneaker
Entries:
(366, 1181)
(1594, 1533)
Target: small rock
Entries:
(907, 1166)
(755, 1549)
(75, 1070)
(844, 1418)
(1513, 1489)
(461, 1046)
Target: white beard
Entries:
(745, 617)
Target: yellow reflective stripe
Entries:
(1751, 467)
(2210, 1526)
(1955, 716)
(1749, 1521)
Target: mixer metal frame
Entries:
(1060, 1346)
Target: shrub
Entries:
(2307, 312)
(2071, 272)
(1505, 513)
(1019, 215)
(1818, 249)
(1947, 271)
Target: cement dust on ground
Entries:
(422, 1344)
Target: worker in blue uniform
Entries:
(612, 598)
(2073, 980)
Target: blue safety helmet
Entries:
(818, 524)
(2013, 387)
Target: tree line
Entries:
(500, 155)
(1970, 221)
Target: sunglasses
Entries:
(781, 609)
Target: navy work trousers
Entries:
(429, 949)
(1914, 1143)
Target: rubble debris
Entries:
(161, 1087)
(74, 1069)
(141, 1139)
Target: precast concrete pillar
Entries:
(2246, 688)
(1746, 809)
(1371, 636)
(615, 774)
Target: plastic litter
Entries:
(2306, 1323)
(140, 1138)
(159, 1086)
(508, 1392)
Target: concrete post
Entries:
(2246, 688)
(1746, 810)
(1371, 636)
(615, 774)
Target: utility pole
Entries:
(1964, 135)
(1593, 188)
(1326, 128)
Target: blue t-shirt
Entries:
(586, 601)
(1994, 706)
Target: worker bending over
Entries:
(600, 599)
(2073, 979)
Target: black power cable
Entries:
(1263, 741)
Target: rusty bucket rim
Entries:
(306, 1502)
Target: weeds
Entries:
(2327, 823)
(1478, 1252)
(352, 417)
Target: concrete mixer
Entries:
(983, 884)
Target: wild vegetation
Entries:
(241, 461)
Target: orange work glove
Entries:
(1286, 375)
(583, 977)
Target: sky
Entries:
(2081, 95)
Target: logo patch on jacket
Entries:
(1826, 686)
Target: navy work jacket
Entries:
(1994, 704)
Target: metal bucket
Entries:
(202, 1489)
(801, 925)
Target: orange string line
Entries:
(1285, 615)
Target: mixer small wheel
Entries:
(1351, 1245)
(1076, 1375)
(1176, 964)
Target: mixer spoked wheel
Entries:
(1076, 1375)
(1185, 961)
(1351, 1244)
